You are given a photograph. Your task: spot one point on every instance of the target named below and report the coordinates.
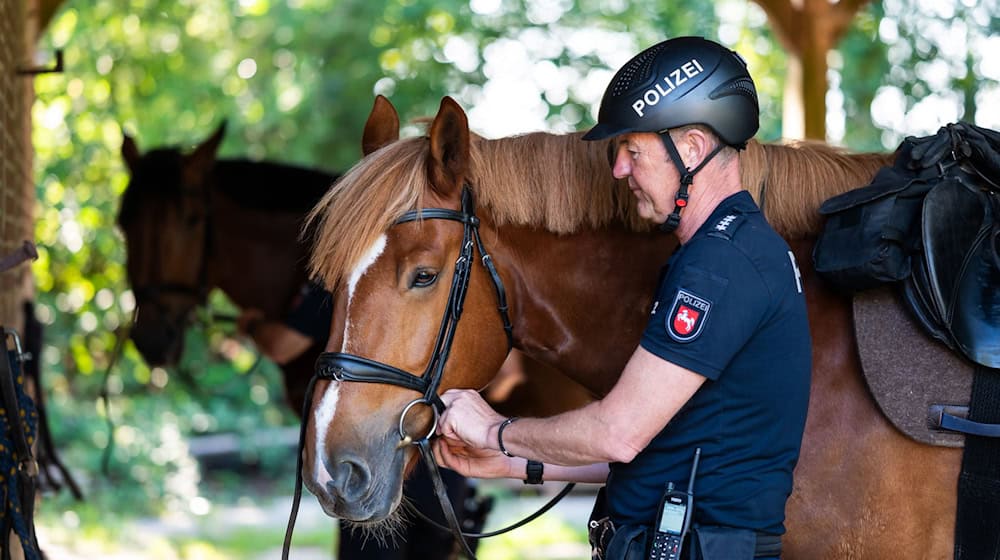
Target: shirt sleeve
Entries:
(709, 304)
(312, 313)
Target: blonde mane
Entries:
(556, 182)
(561, 184)
(791, 181)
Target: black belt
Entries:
(601, 531)
(767, 545)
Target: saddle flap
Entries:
(975, 324)
(962, 279)
(921, 308)
(952, 218)
(907, 372)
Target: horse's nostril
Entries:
(349, 479)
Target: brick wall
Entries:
(17, 193)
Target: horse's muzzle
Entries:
(350, 479)
(158, 347)
(355, 492)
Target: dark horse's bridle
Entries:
(339, 366)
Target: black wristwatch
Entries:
(534, 471)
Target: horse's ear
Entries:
(448, 161)
(130, 152)
(202, 159)
(382, 126)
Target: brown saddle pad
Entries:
(910, 374)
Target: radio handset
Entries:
(673, 519)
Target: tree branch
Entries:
(784, 20)
(842, 15)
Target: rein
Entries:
(339, 366)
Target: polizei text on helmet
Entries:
(666, 84)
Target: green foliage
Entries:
(908, 67)
(295, 80)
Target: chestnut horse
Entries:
(579, 269)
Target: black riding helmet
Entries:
(679, 82)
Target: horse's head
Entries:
(164, 218)
(394, 272)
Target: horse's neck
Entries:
(257, 258)
(582, 301)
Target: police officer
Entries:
(724, 363)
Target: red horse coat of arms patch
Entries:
(687, 316)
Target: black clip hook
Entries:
(57, 69)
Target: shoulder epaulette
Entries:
(726, 226)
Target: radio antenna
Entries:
(694, 469)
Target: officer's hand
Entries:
(467, 418)
(471, 461)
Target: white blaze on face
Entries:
(328, 405)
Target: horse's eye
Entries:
(423, 278)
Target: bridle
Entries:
(340, 366)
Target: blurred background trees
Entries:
(295, 80)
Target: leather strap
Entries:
(548, 505)
(534, 471)
(338, 366)
(959, 424)
(442, 494)
(978, 516)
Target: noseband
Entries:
(339, 366)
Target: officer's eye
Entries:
(423, 278)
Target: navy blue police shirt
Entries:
(312, 311)
(729, 307)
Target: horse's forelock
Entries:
(363, 204)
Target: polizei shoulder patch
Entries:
(687, 316)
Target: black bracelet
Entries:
(533, 472)
(503, 425)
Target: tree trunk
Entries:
(808, 29)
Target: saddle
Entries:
(924, 236)
(954, 290)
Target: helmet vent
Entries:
(636, 71)
(739, 86)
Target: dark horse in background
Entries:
(579, 268)
(193, 223)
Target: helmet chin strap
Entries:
(687, 177)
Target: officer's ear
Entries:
(694, 144)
